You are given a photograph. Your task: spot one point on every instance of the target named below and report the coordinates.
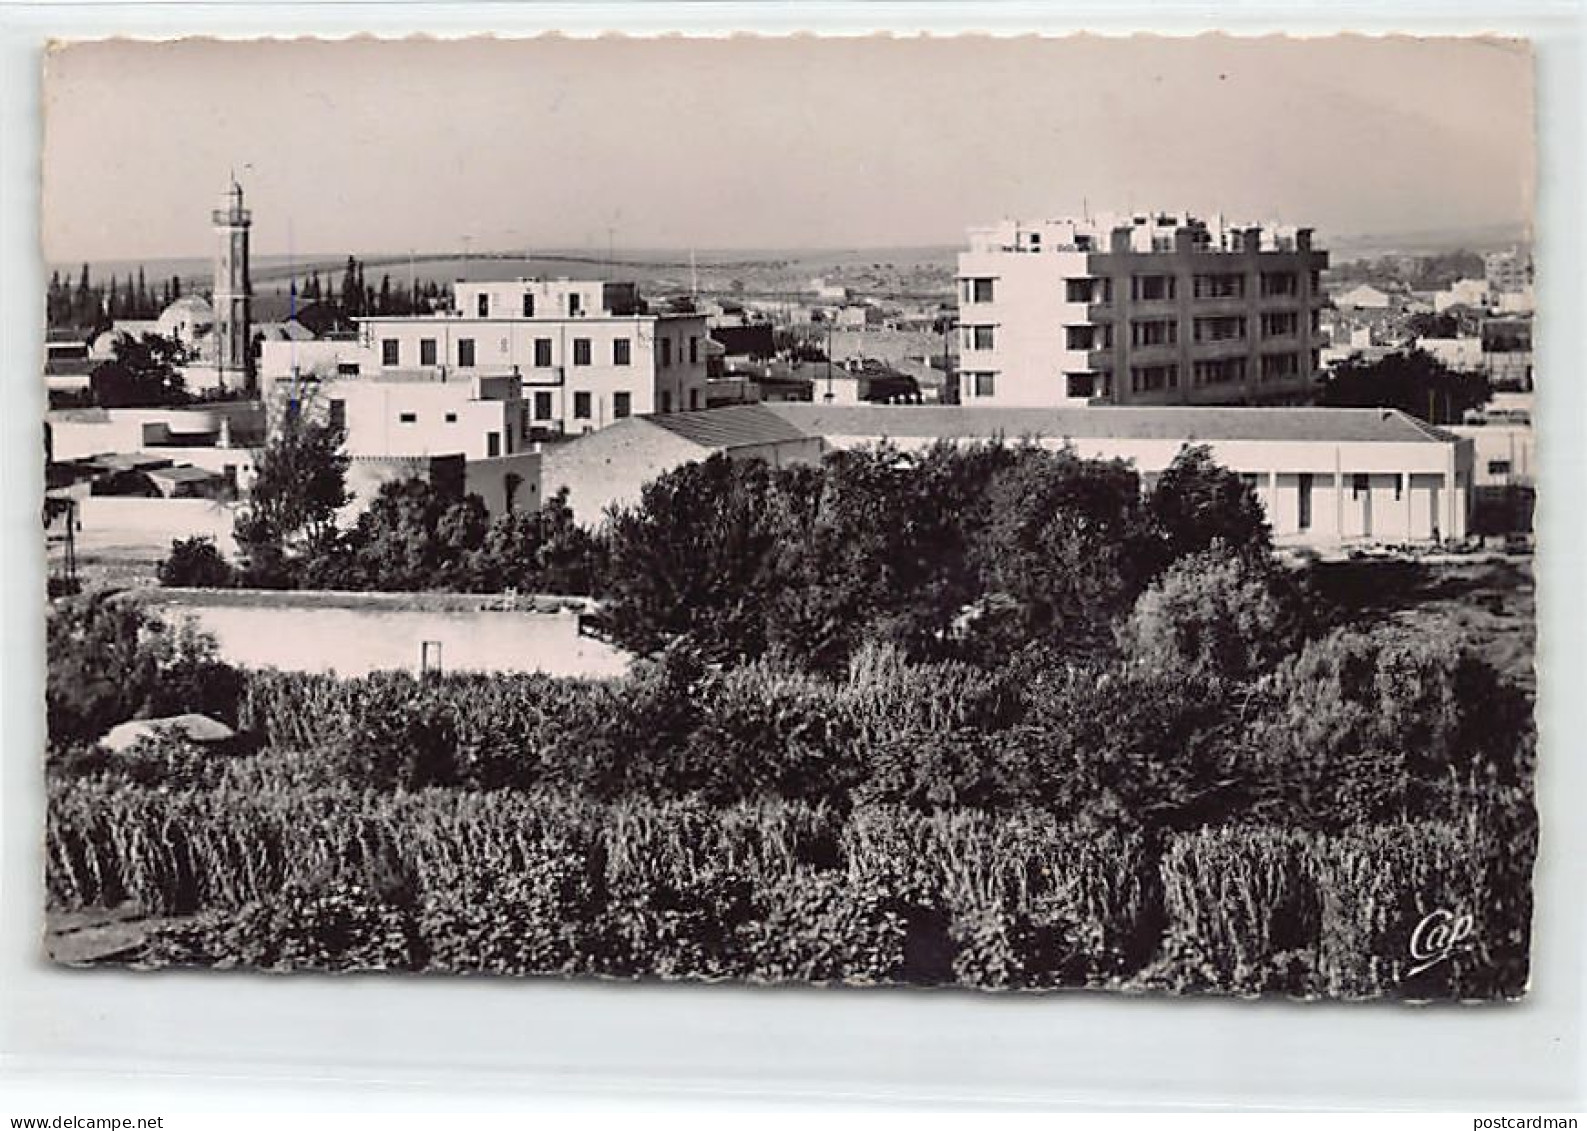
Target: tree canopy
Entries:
(1413, 381)
(143, 371)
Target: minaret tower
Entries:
(233, 292)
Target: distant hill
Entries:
(1430, 241)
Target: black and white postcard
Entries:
(1012, 514)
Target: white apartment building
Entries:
(586, 353)
(1144, 309)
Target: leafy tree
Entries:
(541, 551)
(299, 486)
(414, 537)
(143, 370)
(352, 290)
(1413, 381)
(1066, 547)
(697, 559)
(1196, 503)
(887, 552)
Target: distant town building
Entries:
(1146, 309)
(586, 353)
(1362, 297)
(1463, 355)
(828, 292)
(1325, 476)
(1508, 270)
(1462, 292)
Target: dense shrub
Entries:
(196, 563)
(1263, 909)
(1354, 730)
(340, 928)
(1210, 614)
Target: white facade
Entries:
(420, 414)
(1463, 355)
(1154, 309)
(1462, 292)
(1504, 455)
(319, 359)
(1363, 297)
(586, 353)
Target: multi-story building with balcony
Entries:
(1146, 309)
(586, 353)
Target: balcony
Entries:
(542, 376)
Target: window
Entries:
(666, 400)
(581, 351)
(483, 305)
(1225, 328)
(1151, 288)
(426, 351)
(622, 405)
(694, 399)
(575, 303)
(347, 369)
(581, 406)
(451, 418)
(622, 351)
(978, 290)
(542, 353)
(1081, 384)
(1316, 322)
(542, 405)
(1285, 324)
(1279, 365)
(1223, 371)
(1498, 467)
(390, 351)
(666, 352)
(407, 418)
(979, 337)
(1078, 290)
(528, 304)
(338, 413)
(1276, 283)
(1157, 333)
(1219, 286)
(465, 353)
(1153, 378)
(1080, 337)
(985, 384)
(1303, 519)
(1399, 488)
(694, 351)
(1359, 485)
(492, 444)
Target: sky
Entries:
(369, 146)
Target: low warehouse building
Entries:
(1324, 475)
